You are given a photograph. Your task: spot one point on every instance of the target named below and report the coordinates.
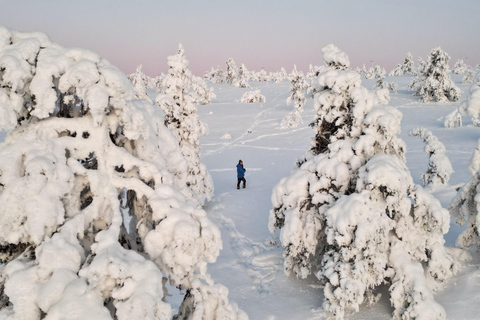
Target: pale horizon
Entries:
(267, 34)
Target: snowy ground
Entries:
(249, 265)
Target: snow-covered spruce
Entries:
(181, 118)
(298, 85)
(351, 214)
(465, 206)
(242, 79)
(439, 166)
(471, 105)
(405, 68)
(432, 82)
(138, 79)
(381, 83)
(202, 94)
(453, 120)
(469, 76)
(459, 67)
(252, 97)
(231, 72)
(93, 210)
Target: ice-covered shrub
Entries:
(351, 214)
(181, 118)
(439, 166)
(432, 82)
(298, 85)
(252, 97)
(94, 207)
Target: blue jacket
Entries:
(240, 171)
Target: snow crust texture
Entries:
(95, 211)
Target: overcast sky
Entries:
(259, 33)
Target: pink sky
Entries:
(267, 33)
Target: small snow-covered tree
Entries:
(262, 75)
(202, 93)
(138, 80)
(398, 71)
(231, 72)
(408, 65)
(181, 118)
(283, 73)
(465, 206)
(242, 79)
(439, 166)
(381, 83)
(94, 209)
(459, 67)
(252, 97)
(311, 74)
(298, 85)
(351, 214)
(433, 82)
(471, 105)
(453, 120)
(469, 76)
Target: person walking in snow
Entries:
(241, 174)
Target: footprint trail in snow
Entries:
(261, 260)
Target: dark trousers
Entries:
(244, 182)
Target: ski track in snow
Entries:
(256, 122)
(262, 260)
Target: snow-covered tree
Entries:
(181, 118)
(242, 78)
(459, 67)
(381, 83)
(469, 76)
(138, 80)
(453, 120)
(94, 209)
(351, 214)
(432, 81)
(335, 58)
(311, 74)
(405, 68)
(471, 105)
(398, 71)
(231, 72)
(439, 166)
(252, 97)
(465, 206)
(262, 75)
(202, 94)
(408, 65)
(298, 85)
(158, 82)
(283, 73)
